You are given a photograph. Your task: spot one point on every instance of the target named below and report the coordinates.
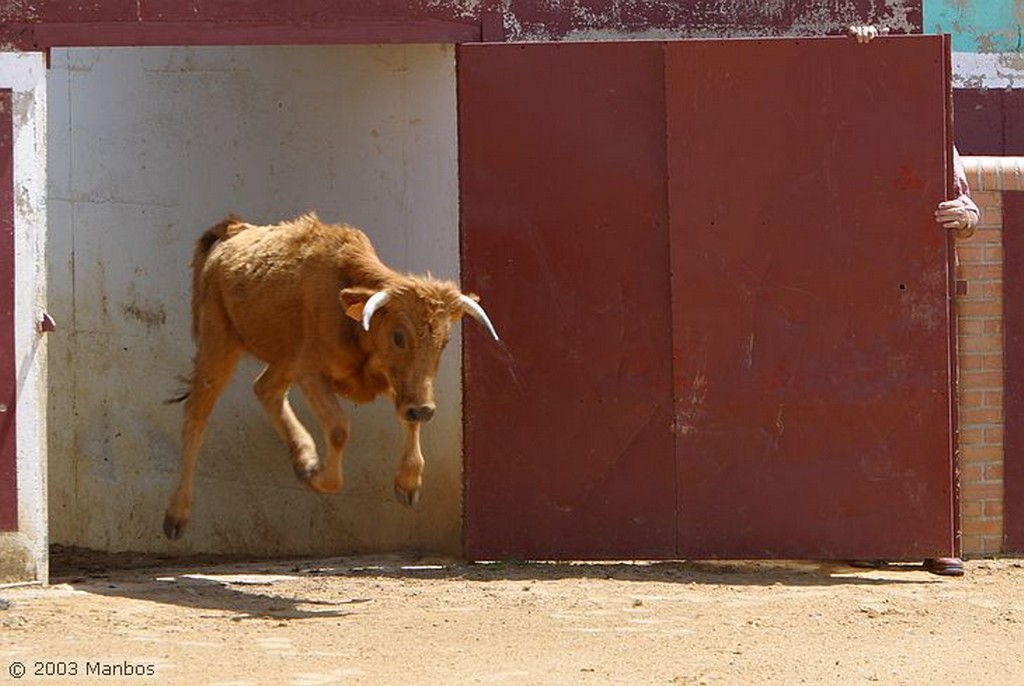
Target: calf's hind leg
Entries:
(213, 368)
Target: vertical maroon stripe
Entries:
(8, 466)
(954, 368)
(1013, 475)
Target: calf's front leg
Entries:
(410, 467)
(271, 387)
(336, 427)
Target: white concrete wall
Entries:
(149, 147)
(23, 554)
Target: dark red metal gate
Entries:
(766, 373)
(810, 309)
(8, 462)
(568, 441)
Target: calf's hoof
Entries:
(174, 527)
(318, 481)
(305, 472)
(407, 498)
(322, 483)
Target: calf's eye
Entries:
(398, 338)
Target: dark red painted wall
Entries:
(989, 121)
(1013, 475)
(41, 24)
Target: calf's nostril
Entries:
(422, 413)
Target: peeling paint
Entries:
(1011, 61)
(23, 108)
(23, 204)
(18, 10)
(988, 70)
(981, 26)
(463, 9)
(899, 16)
(659, 20)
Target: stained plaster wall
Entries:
(23, 552)
(150, 146)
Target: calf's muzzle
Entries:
(418, 413)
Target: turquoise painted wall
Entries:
(977, 25)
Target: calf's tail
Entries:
(225, 229)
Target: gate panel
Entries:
(8, 455)
(810, 298)
(568, 443)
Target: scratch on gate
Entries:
(622, 453)
(691, 413)
(780, 428)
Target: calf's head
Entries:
(407, 327)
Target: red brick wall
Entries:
(982, 418)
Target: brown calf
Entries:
(313, 302)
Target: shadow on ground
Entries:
(247, 588)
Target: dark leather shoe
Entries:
(944, 566)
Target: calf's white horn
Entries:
(374, 302)
(473, 308)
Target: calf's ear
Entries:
(354, 300)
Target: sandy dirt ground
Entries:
(402, 619)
